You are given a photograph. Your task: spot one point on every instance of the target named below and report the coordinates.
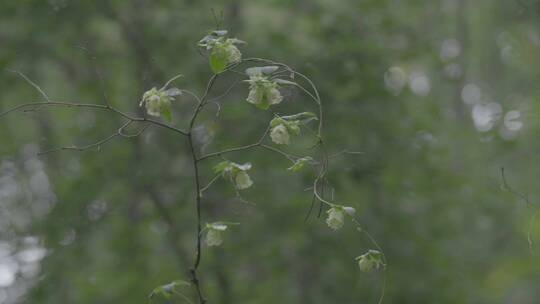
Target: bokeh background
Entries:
(439, 95)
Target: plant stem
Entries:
(194, 278)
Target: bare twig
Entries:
(34, 105)
(230, 150)
(528, 204)
(170, 80)
(212, 181)
(511, 190)
(345, 152)
(93, 58)
(31, 83)
(90, 146)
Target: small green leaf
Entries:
(293, 127)
(167, 114)
(218, 60)
(222, 166)
(276, 121)
(167, 290)
(263, 105)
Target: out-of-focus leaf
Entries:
(173, 92)
(264, 70)
(168, 290)
(167, 113)
(218, 61)
(286, 82)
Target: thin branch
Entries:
(287, 155)
(528, 204)
(92, 106)
(31, 83)
(241, 199)
(202, 101)
(345, 152)
(92, 57)
(90, 146)
(59, 104)
(171, 80)
(246, 147)
(214, 179)
(192, 94)
(218, 107)
(511, 190)
(219, 153)
(121, 133)
(183, 297)
(313, 200)
(229, 89)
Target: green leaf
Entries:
(263, 105)
(222, 166)
(276, 121)
(166, 112)
(293, 127)
(167, 290)
(218, 60)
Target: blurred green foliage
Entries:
(423, 88)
